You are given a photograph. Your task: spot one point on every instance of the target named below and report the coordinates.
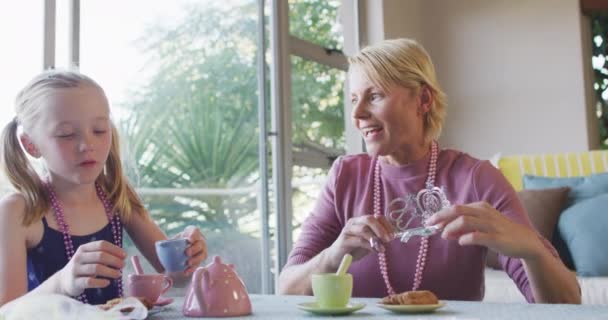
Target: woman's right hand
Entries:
(355, 236)
(91, 264)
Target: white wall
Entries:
(513, 71)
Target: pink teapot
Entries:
(216, 291)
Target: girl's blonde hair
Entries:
(404, 62)
(23, 176)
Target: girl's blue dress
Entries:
(49, 256)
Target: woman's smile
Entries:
(372, 133)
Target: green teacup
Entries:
(332, 290)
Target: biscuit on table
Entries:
(411, 297)
(111, 303)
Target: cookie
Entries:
(111, 303)
(411, 297)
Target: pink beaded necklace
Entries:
(114, 220)
(427, 195)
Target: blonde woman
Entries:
(455, 207)
(62, 232)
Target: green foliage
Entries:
(317, 91)
(194, 124)
(314, 21)
(600, 54)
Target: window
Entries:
(182, 77)
(21, 56)
(600, 47)
(317, 100)
(318, 131)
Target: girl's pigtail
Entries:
(22, 175)
(121, 193)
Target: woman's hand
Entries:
(197, 250)
(90, 267)
(355, 236)
(480, 224)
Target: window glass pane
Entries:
(21, 59)
(599, 23)
(307, 183)
(318, 131)
(318, 104)
(181, 78)
(316, 21)
(62, 36)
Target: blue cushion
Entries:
(593, 186)
(581, 188)
(584, 228)
(539, 182)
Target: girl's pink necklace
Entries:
(424, 243)
(67, 239)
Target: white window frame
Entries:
(48, 46)
(283, 45)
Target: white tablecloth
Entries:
(285, 307)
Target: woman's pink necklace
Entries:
(427, 196)
(67, 239)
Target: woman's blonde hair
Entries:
(22, 174)
(404, 62)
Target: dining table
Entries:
(288, 307)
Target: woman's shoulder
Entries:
(460, 160)
(354, 161)
(486, 178)
(348, 168)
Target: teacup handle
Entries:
(168, 284)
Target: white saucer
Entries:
(411, 308)
(315, 308)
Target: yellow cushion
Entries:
(572, 164)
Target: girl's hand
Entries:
(197, 250)
(355, 236)
(91, 264)
(480, 224)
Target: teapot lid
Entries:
(219, 269)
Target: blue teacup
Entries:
(172, 254)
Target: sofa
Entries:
(566, 196)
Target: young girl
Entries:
(62, 232)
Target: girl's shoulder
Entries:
(12, 212)
(12, 206)
(12, 217)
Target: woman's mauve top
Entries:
(452, 271)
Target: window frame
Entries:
(283, 45)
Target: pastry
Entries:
(411, 297)
(111, 303)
